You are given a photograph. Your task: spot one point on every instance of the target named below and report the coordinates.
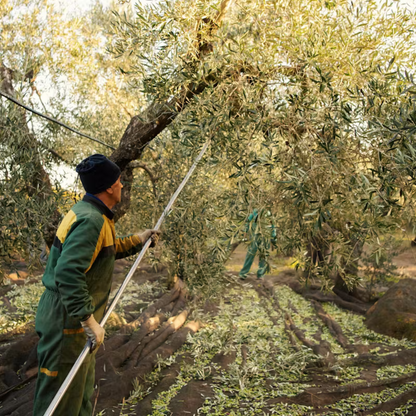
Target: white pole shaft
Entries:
(67, 382)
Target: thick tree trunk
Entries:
(39, 186)
(340, 287)
(319, 253)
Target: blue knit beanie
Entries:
(97, 173)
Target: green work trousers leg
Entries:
(263, 266)
(251, 253)
(76, 401)
(264, 252)
(58, 350)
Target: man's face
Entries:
(117, 187)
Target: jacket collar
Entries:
(97, 203)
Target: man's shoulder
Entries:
(80, 215)
(87, 212)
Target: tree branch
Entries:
(143, 128)
(57, 156)
(153, 178)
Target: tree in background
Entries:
(304, 94)
(56, 63)
(309, 114)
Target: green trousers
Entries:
(251, 254)
(61, 342)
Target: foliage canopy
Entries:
(310, 106)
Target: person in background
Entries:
(78, 282)
(259, 241)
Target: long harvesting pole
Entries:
(67, 382)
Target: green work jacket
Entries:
(251, 225)
(81, 261)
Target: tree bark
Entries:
(39, 186)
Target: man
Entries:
(78, 282)
(258, 241)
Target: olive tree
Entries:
(302, 94)
(299, 99)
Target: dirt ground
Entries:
(259, 348)
(406, 262)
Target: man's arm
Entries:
(128, 245)
(132, 244)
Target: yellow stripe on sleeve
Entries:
(49, 373)
(65, 226)
(106, 239)
(124, 244)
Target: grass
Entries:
(25, 299)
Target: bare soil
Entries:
(406, 262)
(340, 374)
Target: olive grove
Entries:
(309, 110)
(309, 106)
